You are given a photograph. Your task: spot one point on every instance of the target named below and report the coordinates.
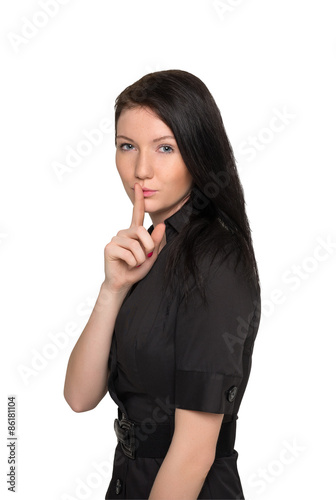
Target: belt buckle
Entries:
(124, 430)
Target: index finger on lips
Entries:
(138, 206)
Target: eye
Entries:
(166, 149)
(125, 146)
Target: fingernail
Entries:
(138, 265)
(150, 254)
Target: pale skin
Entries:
(143, 159)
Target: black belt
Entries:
(136, 442)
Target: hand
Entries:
(130, 248)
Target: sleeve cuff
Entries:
(205, 391)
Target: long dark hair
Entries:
(218, 221)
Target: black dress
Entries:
(165, 356)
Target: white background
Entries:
(260, 59)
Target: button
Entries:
(118, 486)
(232, 393)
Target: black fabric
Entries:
(169, 354)
(135, 443)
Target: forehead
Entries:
(141, 120)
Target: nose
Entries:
(143, 166)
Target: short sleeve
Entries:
(210, 341)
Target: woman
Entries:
(172, 332)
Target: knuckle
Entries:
(134, 244)
(130, 259)
(124, 254)
(109, 248)
(128, 256)
(111, 243)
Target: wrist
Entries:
(112, 293)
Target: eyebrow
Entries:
(154, 140)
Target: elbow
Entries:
(76, 408)
(80, 402)
(75, 404)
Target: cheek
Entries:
(177, 178)
(122, 166)
(185, 178)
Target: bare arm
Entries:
(87, 372)
(127, 260)
(190, 456)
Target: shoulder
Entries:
(224, 278)
(223, 265)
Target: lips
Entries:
(145, 190)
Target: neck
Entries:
(157, 219)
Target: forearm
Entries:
(86, 376)
(179, 478)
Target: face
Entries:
(147, 153)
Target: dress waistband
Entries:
(136, 441)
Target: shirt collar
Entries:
(176, 222)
